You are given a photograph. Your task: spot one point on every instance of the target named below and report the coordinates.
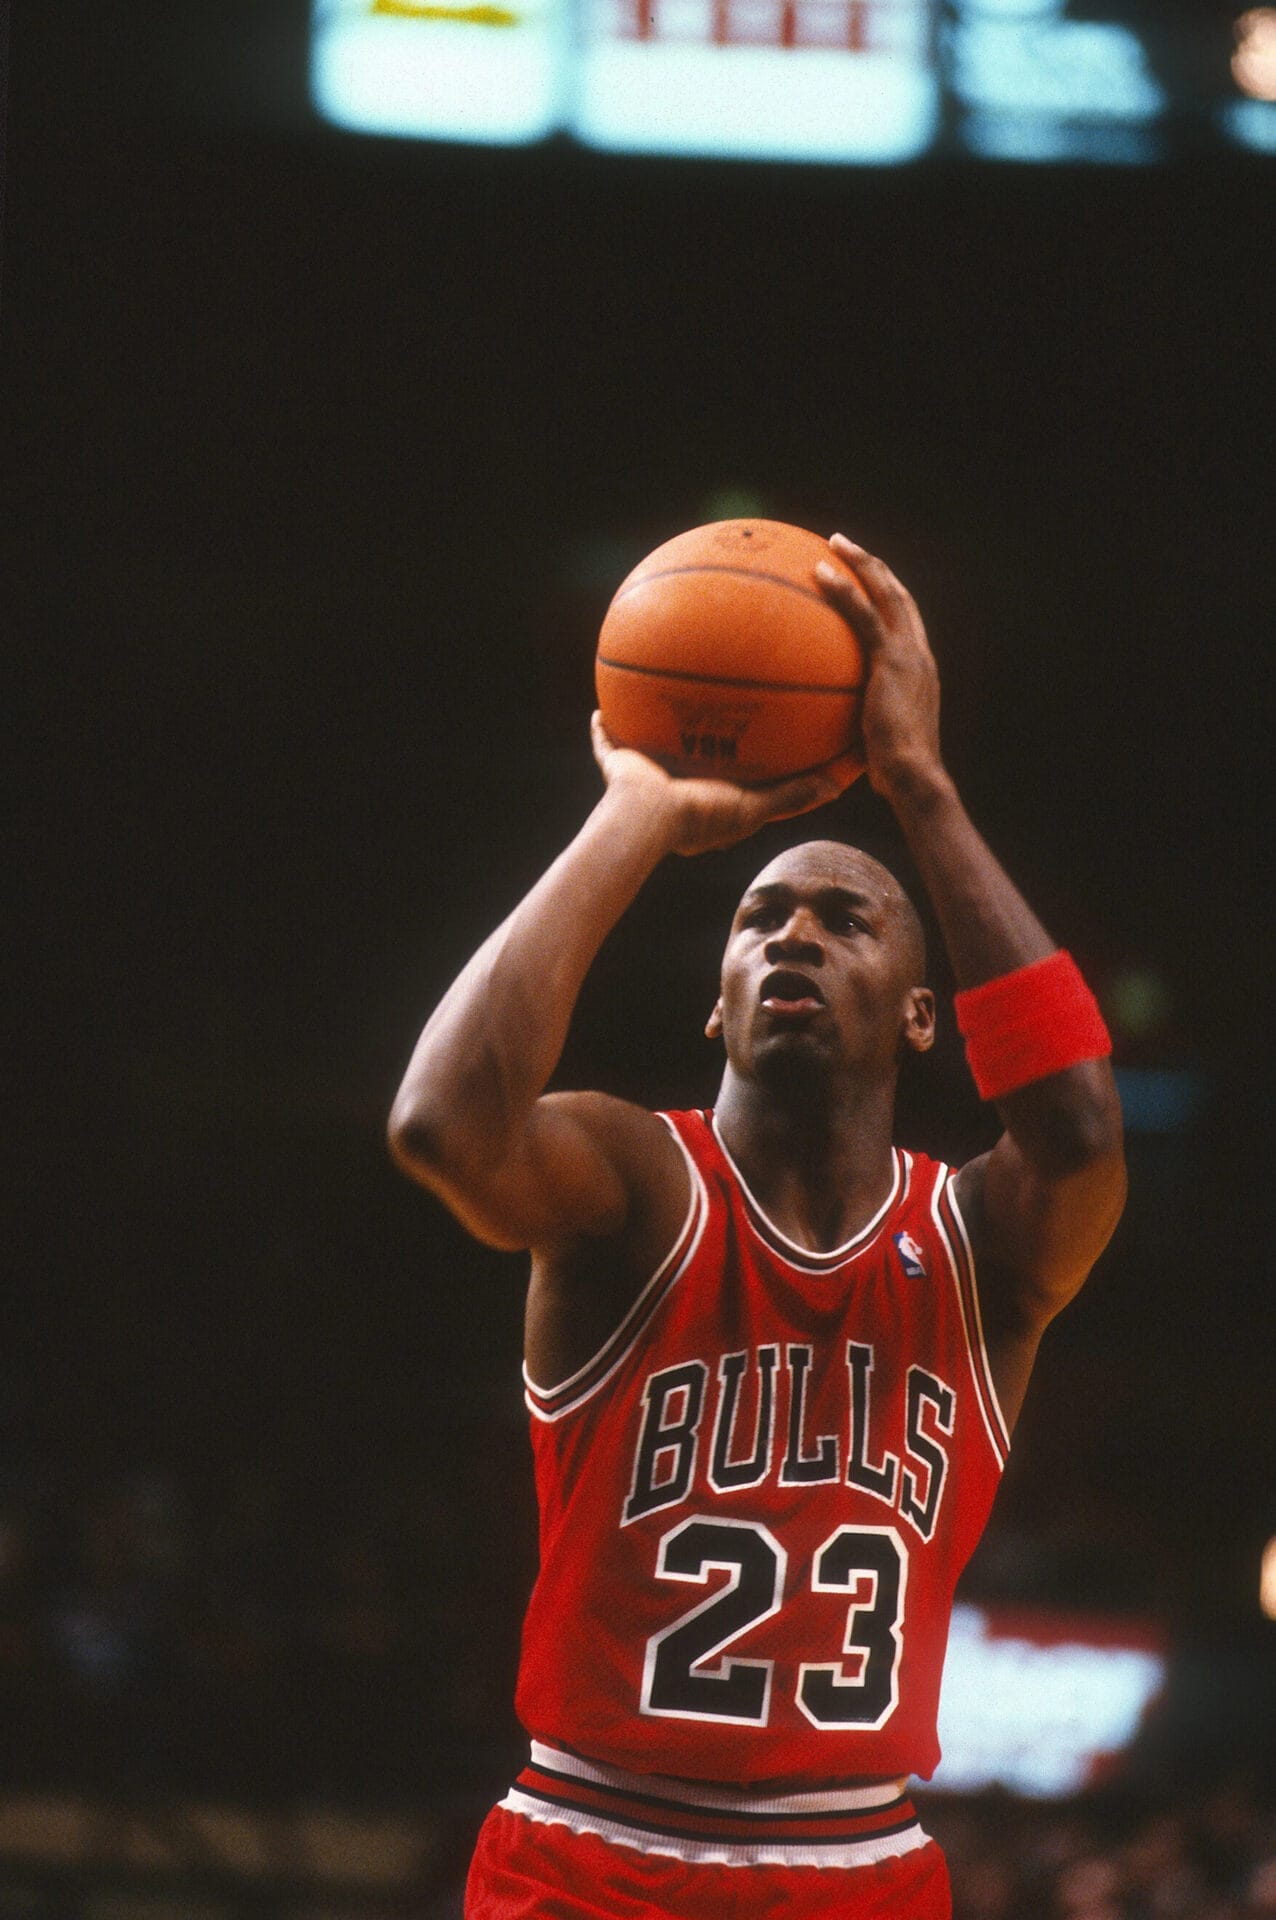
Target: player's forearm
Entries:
(988, 926)
(491, 1045)
(1070, 1117)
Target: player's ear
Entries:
(918, 1032)
(713, 1025)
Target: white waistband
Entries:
(695, 1793)
(845, 1827)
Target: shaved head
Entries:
(833, 863)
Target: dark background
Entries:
(324, 457)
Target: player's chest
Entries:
(775, 1384)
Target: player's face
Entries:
(823, 965)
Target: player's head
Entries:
(824, 968)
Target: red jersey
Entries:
(756, 1499)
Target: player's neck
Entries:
(819, 1170)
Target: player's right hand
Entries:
(900, 721)
(704, 815)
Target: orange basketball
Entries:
(720, 655)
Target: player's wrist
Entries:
(913, 782)
(646, 812)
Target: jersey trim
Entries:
(552, 1403)
(805, 1257)
(947, 1216)
(831, 1827)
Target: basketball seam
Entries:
(723, 680)
(741, 573)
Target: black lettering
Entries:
(868, 1564)
(678, 1679)
(665, 1459)
(801, 1468)
(919, 1509)
(878, 1480)
(725, 1474)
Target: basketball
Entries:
(719, 654)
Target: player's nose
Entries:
(799, 938)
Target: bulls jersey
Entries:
(756, 1499)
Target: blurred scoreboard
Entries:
(869, 81)
(1044, 1703)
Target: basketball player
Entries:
(772, 1360)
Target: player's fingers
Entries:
(865, 564)
(884, 588)
(600, 739)
(809, 790)
(851, 598)
(841, 582)
(844, 770)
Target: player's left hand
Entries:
(901, 699)
(704, 815)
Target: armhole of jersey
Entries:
(552, 1403)
(947, 1216)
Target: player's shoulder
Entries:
(584, 1282)
(920, 1169)
(607, 1117)
(968, 1183)
(642, 1146)
(613, 1116)
(954, 1193)
(920, 1179)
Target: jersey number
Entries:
(869, 1564)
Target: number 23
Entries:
(869, 1564)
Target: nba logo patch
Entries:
(910, 1256)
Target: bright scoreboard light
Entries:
(871, 81)
(750, 79)
(496, 73)
(1044, 1704)
(763, 79)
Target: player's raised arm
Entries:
(471, 1120)
(1044, 1202)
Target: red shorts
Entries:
(526, 1869)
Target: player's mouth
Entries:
(790, 995)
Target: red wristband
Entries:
(1027, 1024)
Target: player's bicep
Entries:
(1037, 1235)
(575, 1169)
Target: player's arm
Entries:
(472, 1121)
(1043, 1204)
